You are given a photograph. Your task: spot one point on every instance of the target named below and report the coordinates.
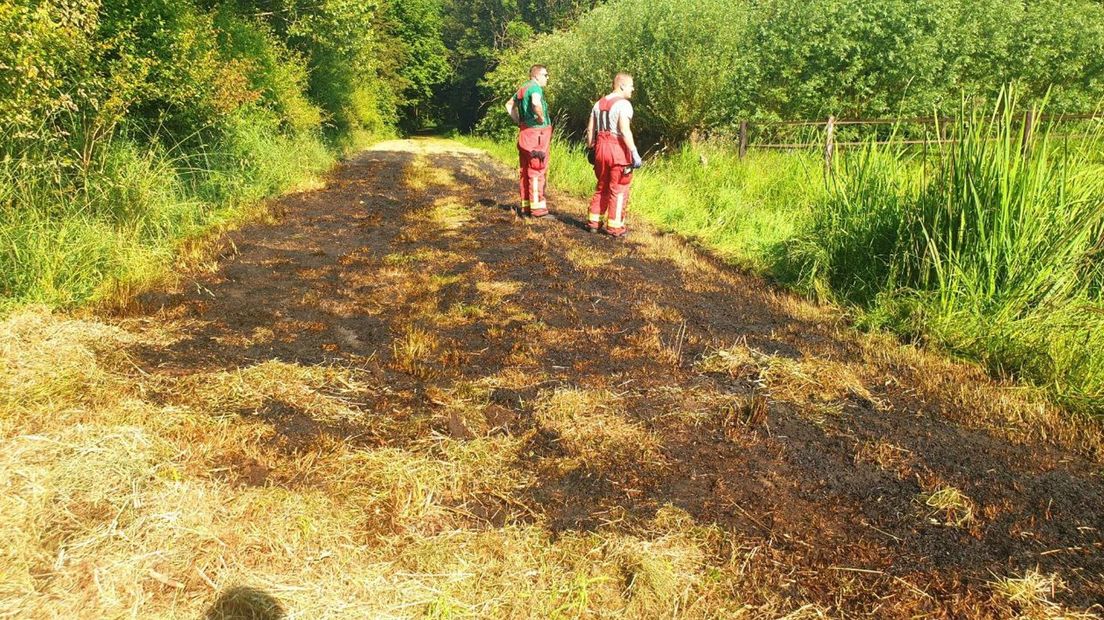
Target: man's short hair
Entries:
(620, 79)
(535, 69)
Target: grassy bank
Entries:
(984, 249)
(128, 129)
(121, 226)
(742, 210)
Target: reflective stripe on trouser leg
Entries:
(597, 209)
(538, 204)
(616, 219)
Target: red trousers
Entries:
(533, 170)
(610, 202)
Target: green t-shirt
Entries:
(524, 103)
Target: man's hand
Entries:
(637, 162)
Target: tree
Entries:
(419, 59)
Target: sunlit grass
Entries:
(414, 349)
(949, 506)
(119, 228)
(139, 495)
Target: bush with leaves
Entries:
(126, 125)
(707, 64)
(689, 73)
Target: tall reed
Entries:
(991, 247)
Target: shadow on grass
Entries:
(245, 603)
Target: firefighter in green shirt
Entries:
(529, 111)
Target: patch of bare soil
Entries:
(854, 475)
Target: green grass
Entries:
(70, 238)
(986, 250)
(982, 249)
(740, 209)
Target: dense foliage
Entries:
(128, 125)
(478, 32)
(787, 59)
(77, 69)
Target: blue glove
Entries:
(637, 162)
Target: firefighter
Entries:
(529, 111)
(610, 139)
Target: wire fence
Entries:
(827, 134)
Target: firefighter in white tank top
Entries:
(609, 135)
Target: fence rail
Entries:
(829, 144)
(916, 120)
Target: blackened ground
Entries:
(409, 234)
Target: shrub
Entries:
(992, 249)
(706, 65)
(689, 73)
(127, 126)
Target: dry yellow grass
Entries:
(673, 249)
(818, 387)
(592, 425)
(461, 407)
(421, 174)
(63, 365)
(655, 312)
(327, 392)
(126, 510)
(461, 313)
(1022, 414)
(413, 350)
(587, 260)
(447, 214)
(1030, 597)
(949, 506)
(497, 290)
(664, 345)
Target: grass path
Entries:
(400, 401)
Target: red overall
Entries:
(611, 161)
(533, 169)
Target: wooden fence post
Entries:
(1028, 131)
(830, 145)
(743, 138)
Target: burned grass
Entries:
(400, 401)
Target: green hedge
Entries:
(708, 64)
(129, 125)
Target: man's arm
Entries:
(512, 111)
(538, 107)
(590, 131)
(627, 136)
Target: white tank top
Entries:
(620, 109)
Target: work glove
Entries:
(590, 154)
(637, 162)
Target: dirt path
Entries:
(845, 472)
